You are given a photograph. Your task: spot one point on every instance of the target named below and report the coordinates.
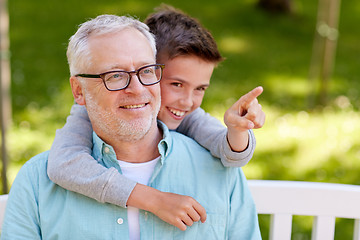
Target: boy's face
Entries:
(183, 86)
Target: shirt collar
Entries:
(165, 145)
(104, 153)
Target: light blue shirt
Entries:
(39, 209)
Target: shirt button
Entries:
(120, 221)
(107, 150)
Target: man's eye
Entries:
(148, 71)
(116, 77)
(176, 84)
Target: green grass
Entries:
(296, 143)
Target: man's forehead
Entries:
(117, 49)
(126, 38)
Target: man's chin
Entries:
(137, 129)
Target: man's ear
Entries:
(77, 91)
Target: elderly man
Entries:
(123, 102)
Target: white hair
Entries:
(78, 53)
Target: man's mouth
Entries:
(177, 112)
(133, 106)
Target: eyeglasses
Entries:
(117, 80)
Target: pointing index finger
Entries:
(250, 96)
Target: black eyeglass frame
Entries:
(102, 76)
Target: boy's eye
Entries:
(202, 89)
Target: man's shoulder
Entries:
(180, 139)
(30, 176)
(35, 164)
(38, 159)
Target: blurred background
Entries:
(304, 53)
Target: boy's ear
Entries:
(77, 90)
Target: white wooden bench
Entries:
(324, 201)
(3, 199)
(283, 199)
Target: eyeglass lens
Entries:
(147, 76)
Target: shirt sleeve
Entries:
(22, 220)
(212, 134)
(71, 165)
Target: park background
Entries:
(302, 139)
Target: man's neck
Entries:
(143, 150)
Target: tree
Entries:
(5, 102)
(324, 49)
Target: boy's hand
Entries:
(244, 114)
(179, 210)
(175, 209)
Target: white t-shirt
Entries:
(141, 173)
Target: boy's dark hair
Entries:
(178, 34)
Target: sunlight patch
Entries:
(233, 44)
(289, 84)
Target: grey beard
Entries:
(116, 128)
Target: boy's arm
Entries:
(212, 134)
(236, 144)
(71, 166)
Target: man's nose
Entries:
(135, 85)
